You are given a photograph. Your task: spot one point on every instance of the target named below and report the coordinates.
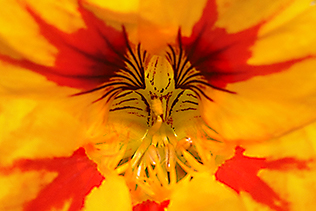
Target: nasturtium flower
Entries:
(157, 105)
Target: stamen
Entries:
(185, 143)
(192, 161)
(163, 154)
(153, 155)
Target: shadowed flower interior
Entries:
(145, 138)
(157, 122)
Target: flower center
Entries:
(155, 135)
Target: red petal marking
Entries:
(86, 58)
(77, 176)
(241, 174)
(151, 206)
(222, 57)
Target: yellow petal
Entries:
(294, 183)
(121, 6)
(20, 187)
(299, 144)
(153, 23)
(204, 193)
(264, 107)
(251, 204)
(19, 29)
(37, 117)
(63, 14)
(113, 194)
(289, 35)
(298, 188)
(237, 15)
(162, 19)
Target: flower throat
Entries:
(154, 134)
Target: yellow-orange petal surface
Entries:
(113, 194)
